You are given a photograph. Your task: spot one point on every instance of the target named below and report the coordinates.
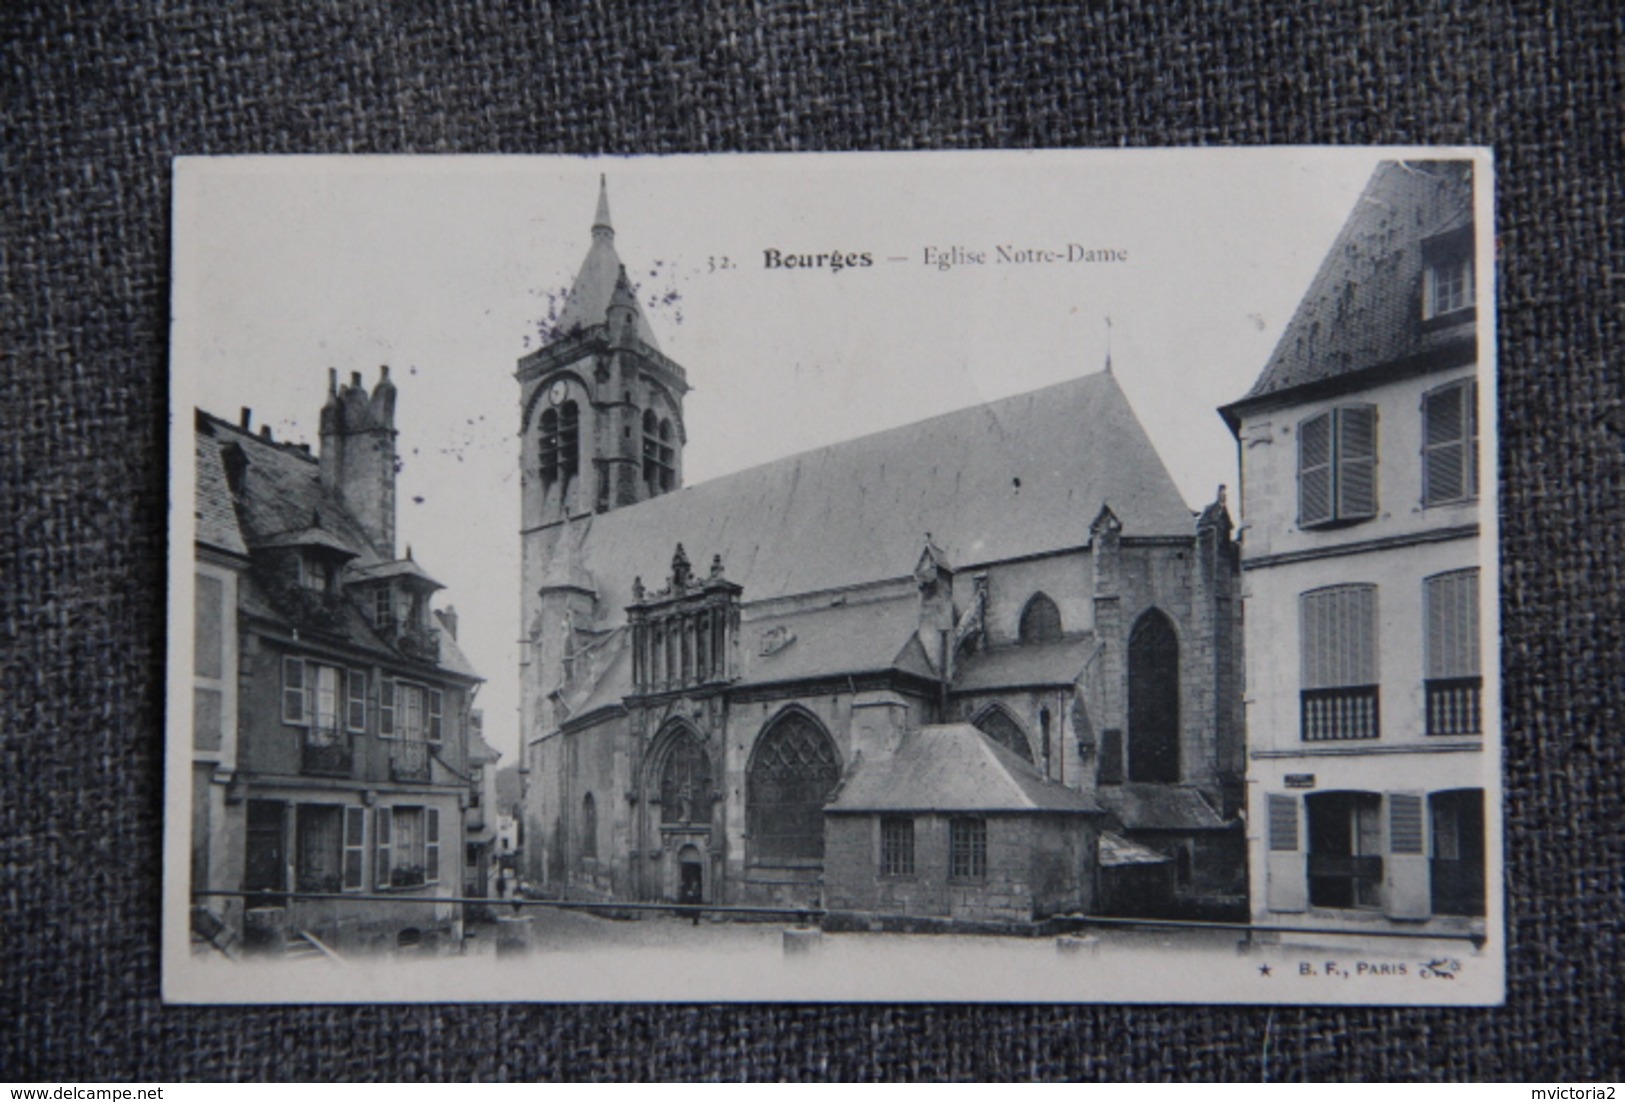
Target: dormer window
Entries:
(317, 573)
(1447, 273)
(383, 607)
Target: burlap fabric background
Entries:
(97, 101)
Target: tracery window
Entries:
(685, 782)
(791, 775)
(1040, 620)
(997, 725)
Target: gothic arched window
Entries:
(1153, 700)
(791, 775)
(685, 782)
(659, 457)
(589, 826)
(1040, 620)
(560, 443)
(997, 724)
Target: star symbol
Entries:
(1263, 969)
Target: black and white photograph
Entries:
(1061, 577)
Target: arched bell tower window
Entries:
(685, 782)
(560, 443)
(998, 725)
(791, 775)
(659, 457)
(1153, 700)
(1040, 620)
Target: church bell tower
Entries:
(601, 408)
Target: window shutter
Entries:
(293, 690)
(435, 703)
(1315, 470)
(1449, 445)
(1283, 823)
(431, 845)
(1404, 823)
(1339, 637)
(1356, 462)
(383, 830)
(356, 712)
(1450, 605)
(386, 707)
(355, 828)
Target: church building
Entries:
(718, 679)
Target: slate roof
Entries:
(216, 514)
(953, 768)
(588, 302)
(282, 491)
(1018, 476)
(480, 751)
(1055, 663)
(281, 495)
(836, 639)
(1364, 307)
(401, 568)
(1158, 807)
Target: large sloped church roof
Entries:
(1016, 477)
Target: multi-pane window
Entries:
(896, 846)
(792, 772)
(659, 456)
(323, 698)
(997, 725)
(1450, 443)
(410, 712)
(328, 840)
(1337, 466)
(1040, 620)
(1447, 273)
(967, 849)
(589, 826)
(407, 846)
(560, 443)
(383, 606)
(1339, 663)
(1454, 686)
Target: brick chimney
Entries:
(358, 454)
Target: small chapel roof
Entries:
(595, 283)
(1364, 307)
(1014, 477)
(1029, 665)
(1159, 807)
(951, 768)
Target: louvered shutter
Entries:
(431, 845)
(1339, 637)
(1315, 470)
(356, 697)
(382, 828)
(1286, 882)
(1451, 609)
(1355, 462)
(355, 828)
(1408, 888)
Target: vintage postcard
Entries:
(1047, 576)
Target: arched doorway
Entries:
(1153, 700)
(690, 875)
(792, 772)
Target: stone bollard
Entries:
(513, 935)
(802, 940)
(1071, 945)
(265, 930)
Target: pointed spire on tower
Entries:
(600, 221)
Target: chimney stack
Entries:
(357, 461)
